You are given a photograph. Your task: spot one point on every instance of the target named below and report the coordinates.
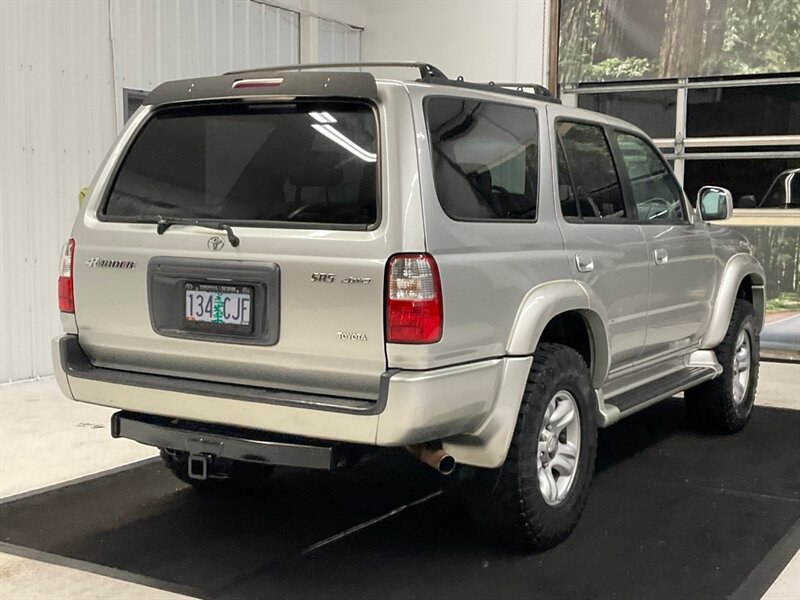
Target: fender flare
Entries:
(488, 445)
(737, 268)
(544, 302)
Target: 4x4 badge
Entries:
(215, 243)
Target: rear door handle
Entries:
(660, 255)
(584, 263)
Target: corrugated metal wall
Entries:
(61, 106)
(159, 40)
(338, 43)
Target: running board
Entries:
(632, 401)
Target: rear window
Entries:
(291, 164)
(485, 158)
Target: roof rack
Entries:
(521, 87)
(426, 70)
(427, 73)
(539, 92)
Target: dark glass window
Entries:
(653, 111)
(485, 158)
(131, 101)
(748, 110)
(749, 180)
(595, 183)
(656, 193)
(784, 191)
(566, 194)
(794, 190)
(303, 163)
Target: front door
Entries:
(680, 255)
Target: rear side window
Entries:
(596, 188)
(485, 158)
(302, 163)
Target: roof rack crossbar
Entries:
(426, 70)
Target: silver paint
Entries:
(501, 284)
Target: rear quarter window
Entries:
(305, 163)
(485, 158)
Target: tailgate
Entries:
(297, 304)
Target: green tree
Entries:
(217, 313)
(761, 36)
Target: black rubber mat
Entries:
(672, 513)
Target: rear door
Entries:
(604, 243)
(297, 303)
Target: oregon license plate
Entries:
(218, 304)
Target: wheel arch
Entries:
(743, 277)
(562, 312)
(559, 306)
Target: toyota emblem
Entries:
(215, 243)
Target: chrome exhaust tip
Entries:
(435, 458)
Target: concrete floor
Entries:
(47, 440)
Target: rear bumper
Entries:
(241, 445)
(413, 406)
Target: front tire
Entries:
(535, 500)
(725, 403)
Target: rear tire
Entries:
(725, 403)
(534, 501)
(225, 474)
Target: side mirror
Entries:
(715, 203)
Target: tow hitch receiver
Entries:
(199, 466)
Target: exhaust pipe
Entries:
(434, 457)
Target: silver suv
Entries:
(291, 266)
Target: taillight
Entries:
(413, 300)
(66, 296)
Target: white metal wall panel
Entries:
(56, 122)
(159, 40)
(337, 42)
(61, 106)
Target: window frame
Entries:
(629, 218)
(540, 141)
(100, 215)
(628, 187)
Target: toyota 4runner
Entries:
(292, 265)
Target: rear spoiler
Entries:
(267, 83)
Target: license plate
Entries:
(218, 304)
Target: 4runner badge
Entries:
(102, 263)
(215, 243)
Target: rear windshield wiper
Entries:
(165, 223)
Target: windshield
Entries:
(301, 163)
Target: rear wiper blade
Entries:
(165, 223)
